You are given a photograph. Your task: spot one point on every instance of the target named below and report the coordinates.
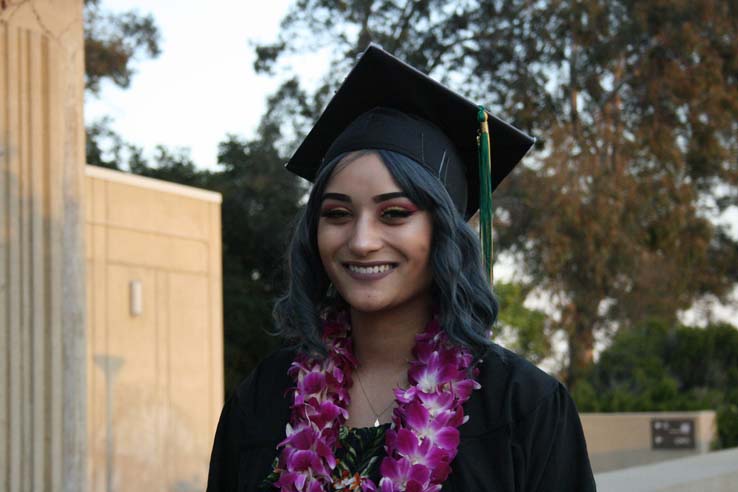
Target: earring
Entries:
(331, 292)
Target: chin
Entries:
(369, 305)
(383, 303)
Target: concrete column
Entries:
(42, 280)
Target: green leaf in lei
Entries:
(360, 451)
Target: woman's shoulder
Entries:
(524, 420)
(251, 424)
(524, 381)
(511, 389)
(270, 369)
(261, 395)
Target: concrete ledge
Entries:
(712, 472)
(152, 184)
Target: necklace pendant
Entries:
(376, 422)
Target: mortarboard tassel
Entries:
(485, 191)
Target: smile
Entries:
(369, 272)
(371, 269)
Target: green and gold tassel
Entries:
(485, 191)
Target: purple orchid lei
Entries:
(423, 439)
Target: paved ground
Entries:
(712, 472)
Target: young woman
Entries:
(393, 383)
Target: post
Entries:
(42, 273)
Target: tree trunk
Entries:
(581, 351)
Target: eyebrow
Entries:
(377, 199)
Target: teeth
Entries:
(371, 269)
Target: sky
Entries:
(203, 85)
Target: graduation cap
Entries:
(385, 103)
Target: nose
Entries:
(365, 237)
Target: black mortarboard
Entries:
(385, 103)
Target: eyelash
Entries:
(388, 213)
(396, 213)
(335, 213)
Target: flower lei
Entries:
(423, 439)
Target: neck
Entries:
(385, 340)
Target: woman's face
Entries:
(373, 241)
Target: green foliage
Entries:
(105, 148)
(727, 422)
(528, 328)
(113, 42)
(169, 165)
(102, 145)
(635, 105)
(658, 368)
(260, 201)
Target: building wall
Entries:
(155, 379)
(622, 440)
(42, 338)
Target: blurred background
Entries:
(616, 239)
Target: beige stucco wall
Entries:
(42, 338)
(155, 380)
(622, 440)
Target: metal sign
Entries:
(672, 434)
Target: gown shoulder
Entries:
(251, 425)
(523, 433)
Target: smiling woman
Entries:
(387, 288)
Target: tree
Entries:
(522, 329)
(635, 105)
(169, 165)
(260, 201)
(103, 146)
(113, 42)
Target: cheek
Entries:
(424, 240)
(417, 241)
(323, 244)
(422, 256)
(328, 242)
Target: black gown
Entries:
(523, 434)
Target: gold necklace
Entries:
(371, 407)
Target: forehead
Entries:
(362, 170)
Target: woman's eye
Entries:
(396, 213)
(335, 213)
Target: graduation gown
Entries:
(523, 432)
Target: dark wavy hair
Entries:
(467, 307)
